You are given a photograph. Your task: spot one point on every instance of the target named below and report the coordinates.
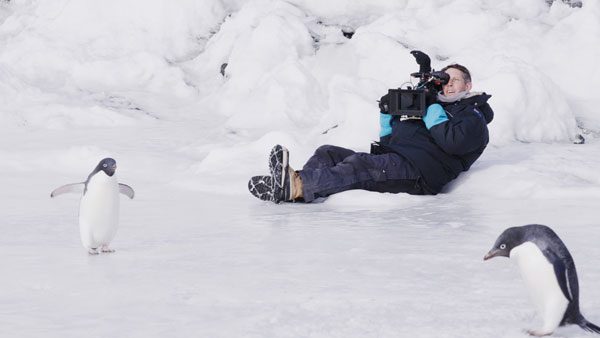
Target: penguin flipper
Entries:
(67, 188)
(562, 276)
(126, 190)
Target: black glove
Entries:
(384, 104)
(423, 61)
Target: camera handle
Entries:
(437, 77)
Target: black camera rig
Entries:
(412, 102)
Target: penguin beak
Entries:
(493, 253)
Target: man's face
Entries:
(456, 84)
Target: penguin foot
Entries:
(539, 333)
(106, 249)
(93, 251)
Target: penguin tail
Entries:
(589, 326)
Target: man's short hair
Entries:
(463, 69)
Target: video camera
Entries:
(412, 102)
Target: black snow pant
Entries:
(335, 169)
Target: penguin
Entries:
(549, 274)
(99, 206)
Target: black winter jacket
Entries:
(449, 148)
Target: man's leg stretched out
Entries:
(335, 169)
(383, 173)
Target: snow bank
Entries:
(289, 75)
(75, 55)
(288, 65)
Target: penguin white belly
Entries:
(542, 285)
(99, 211)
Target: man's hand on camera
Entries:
(384, 104)
(423, 61)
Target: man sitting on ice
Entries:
(415, 156)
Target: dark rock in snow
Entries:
(348, 32)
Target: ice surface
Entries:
(197, 255)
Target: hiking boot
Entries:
(284, 192)
(280, 170)
(261, 187)
(278, 160)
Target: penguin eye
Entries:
(502, 246)
(104, 165)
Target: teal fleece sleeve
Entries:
(385, 124)
(434, 116)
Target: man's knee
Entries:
(323, 150)
(328, 150)
(332, 154)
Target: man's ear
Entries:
(469, 85)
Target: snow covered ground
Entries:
(196, 254)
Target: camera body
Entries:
(411, 103)
(407, 102)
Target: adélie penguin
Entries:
(549, 274)
(99, 206)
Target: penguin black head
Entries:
(108, 165)
(509, 239)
